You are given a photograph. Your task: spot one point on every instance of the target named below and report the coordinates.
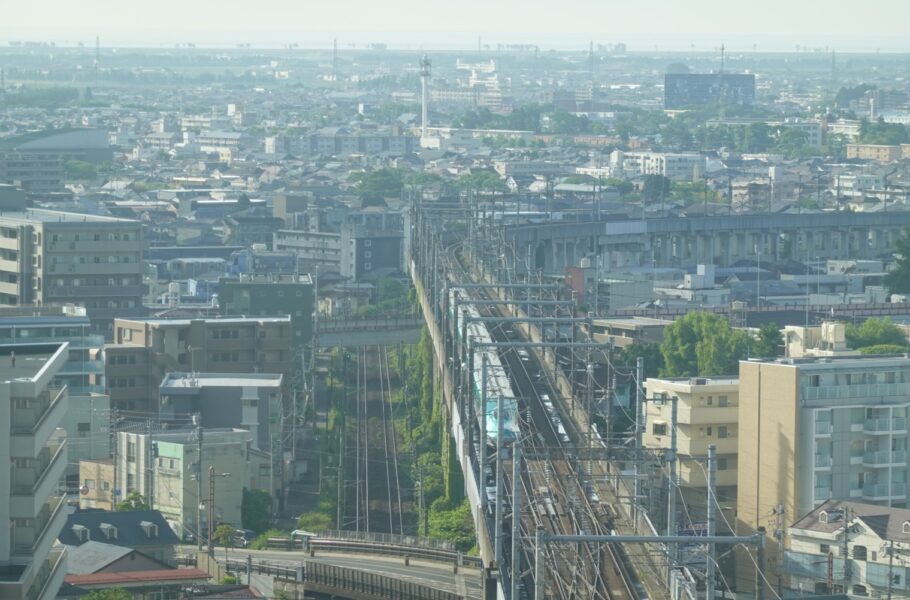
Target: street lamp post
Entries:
(211, 511)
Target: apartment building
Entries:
(315, 250)
(269, 295)
(32, 508)
(872, 561)
(53, 257)
(880, 153)
(166, 461)
(88, 414)
(96, 484)
(145, 350)
(816, 428)
(707, 412)
(251, 401)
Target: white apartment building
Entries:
(32, 507)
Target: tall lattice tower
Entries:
(424, 96)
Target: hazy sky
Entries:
(678, 24)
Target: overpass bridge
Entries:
(378, 331)
(686, 242)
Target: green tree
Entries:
(769, 342)
(655, 187)
(452, 523)
(874, 332)
(80, 170)
(224, 535)
(880, 132)
(314, 521)
(110, 594)
(702, 344)
(650, 352)
(898, 279)
(884, 349)
(256, 510)
(374, 186)
(243, 202)
(132, 502)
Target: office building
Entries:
(270, 295)
(172, 474)
(691, 90)
(145, 350)
(32, 508)
(706, 413)
(813, 429)
(368, 253)
(52, 257)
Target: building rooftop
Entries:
(138, 578)
(211, 321)
(696, 381)
(33, 215)
(202, 380)
(821, 363)
(133, 529)
(93, 556)
(30, 359)
(269, 278)
(886, 522)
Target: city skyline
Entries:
(698, 25)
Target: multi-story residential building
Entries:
(875, 551)
(675, 166)
(315, 250)
(145, 350)
(52, 257)
(688, 90)
(874, 152)
(96, 484)
(706, 413)
(368, 253)
(626, 331)
(250, 401)
(37, 173)
(32, 507)
(88, 415)
(172, 473)
(270, 295)
(812, 429)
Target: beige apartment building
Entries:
(32, 507)
(707, 413)
(813, 429)
(145, 350)
(53, 257)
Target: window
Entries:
(906, 527)
(722, 401)
(814, 380)
(659, 429)
(722, 431)
(368, 254)
(722, 464)
(368, 266)
(90, 484)
(367, 243)
(859, 553)
(708, 432)
(824, 549)
(709, 400)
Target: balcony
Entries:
(863, 391)
(822, 461)
(79, 367)
(49, 577)
(885, 426)
(32, 426)
(31, 487)
(884, 458)
(707, 415)
(882, 491)
(823, 428)
(38, 539)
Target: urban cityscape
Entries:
(497, 319)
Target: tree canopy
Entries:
(109, 594)
(656, 187)
(256, 510)
(875, 332)
(898, 279)
(132, 502)
(769, 342)
(702, 344)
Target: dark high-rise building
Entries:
(686, 90)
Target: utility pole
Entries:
(115, 443)
(779, 536)
(149, 464)
(483, 433)
(846, 549)
(760, 565)
(198, 419)
(672, 488)
(639, 406)
(497, 540)
(890, 568)
(539, 567)
(712, 520)
(516, 521)
(211, 530)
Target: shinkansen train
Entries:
(498, 383)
